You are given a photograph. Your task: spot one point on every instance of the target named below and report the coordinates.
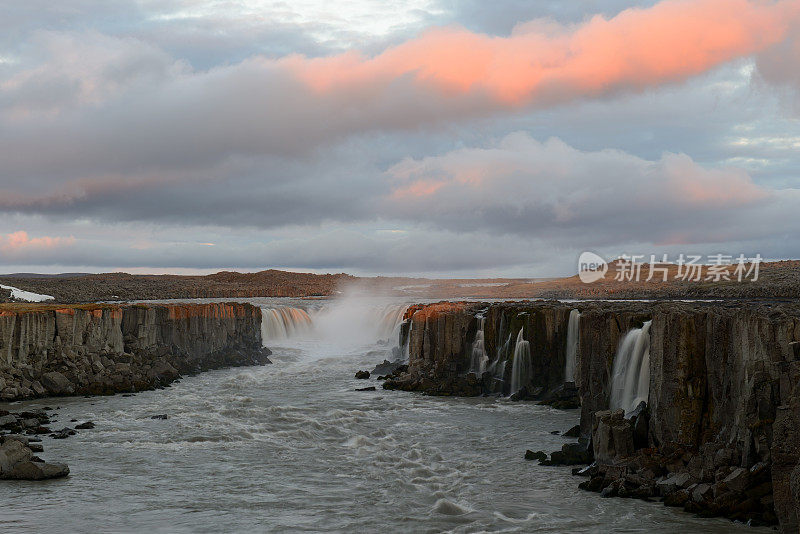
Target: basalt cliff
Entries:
(104, 349)
(717, 426)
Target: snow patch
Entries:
(26, 295)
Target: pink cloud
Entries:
(18, 241)
(547, 62)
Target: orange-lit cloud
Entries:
(547, 62)
(520, 185)
(18, 241)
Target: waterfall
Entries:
(521, 370)
(498, 366)
(573, 334)
(630, 382)
(390, 320)
(478, 350)
(283, 322)
(406, 350)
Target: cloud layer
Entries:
(300, 155)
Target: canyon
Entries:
(718, 431)
(696, 404)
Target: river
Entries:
(292, 447)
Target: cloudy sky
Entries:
(419, 137)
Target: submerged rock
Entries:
(387, 368)
(64, 433)
(538, 455)
(369, 388)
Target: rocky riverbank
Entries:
(719, 434)
(104, 349)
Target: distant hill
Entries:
(39, 275)
(777, 280)
(124, 286)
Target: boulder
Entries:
(18, 437)
(701, 492)
(538, 455)
(673, 483)
(737, 479)
(57, 384)
(38, 388)
(362, 375)
(31, 470)
(571, 454)
(612, 436)
(12, 452)
(8, 420)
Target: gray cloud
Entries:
(177, 131)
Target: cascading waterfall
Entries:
(407, 345)
(630, 382)
(283, 322)
(478, 349)
(573, 334)
(498, 366)
(391, 319)
(522, 367)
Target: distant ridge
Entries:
(87, 287)
(39, 275)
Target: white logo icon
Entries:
(591, 267)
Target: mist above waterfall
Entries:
(630, 381)
(354, 318)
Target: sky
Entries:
(424, 138)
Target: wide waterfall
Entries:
(522, 368)
(573, 334)
(630, 382)
(283, 322)
(479, 359)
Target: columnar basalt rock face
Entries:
(602, 326)
(442, 335)
(101, 349)
(723, 407)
